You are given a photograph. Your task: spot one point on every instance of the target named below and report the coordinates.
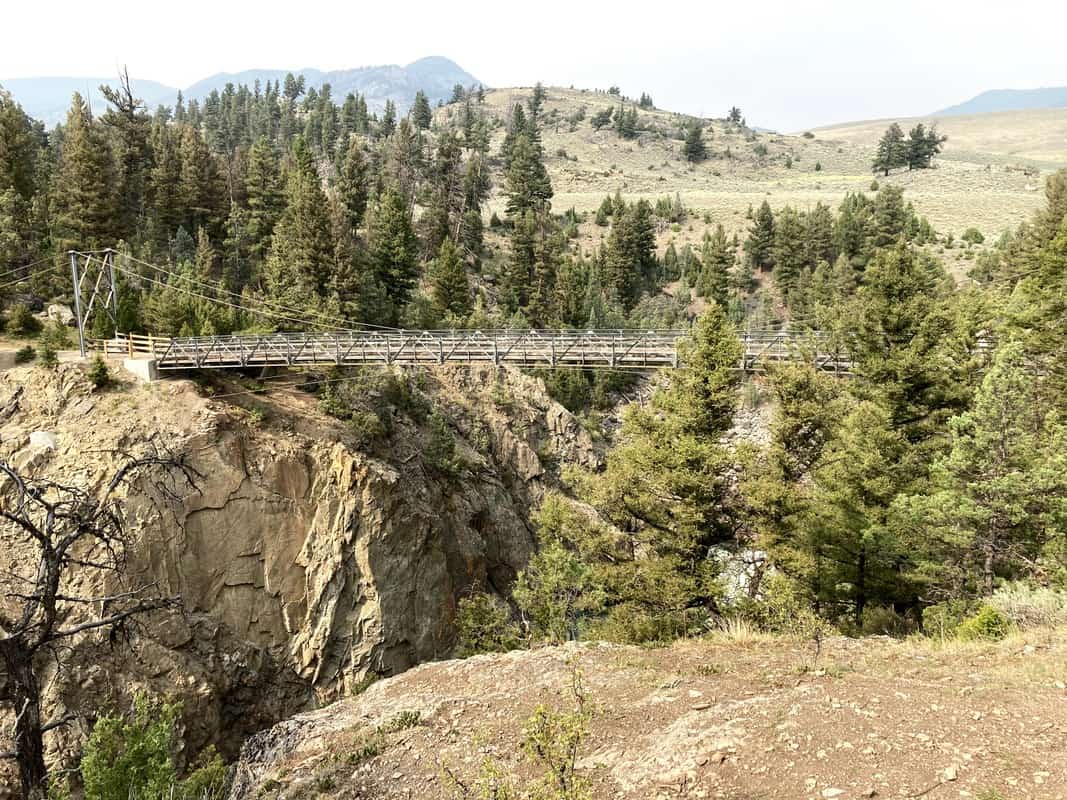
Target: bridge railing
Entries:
(615, 348)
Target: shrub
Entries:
(818, 166)
(1027, 606)
(782, 609)
(99, 375)
(943, 619)
(25, 355)
(884, 621)
(809, 135)
(972, 236)
(484, 625)
(988, 624)
(440, 450)
(555, 590)
(21, 322)
(874, 184)
(127, 758)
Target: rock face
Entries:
(303, 563)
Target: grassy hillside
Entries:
(1037, 137)
(978, 182)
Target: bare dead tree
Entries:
(65, 538)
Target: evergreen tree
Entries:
(130, 127)
(630, 253)
(299, 270)
(672, 449)
(760, 243)
(263, 186)
(448, 276)
(892, 150)
(789, 250)
(84, 198)
(18, 183)
(388, 124)
(394, 251)
(421, 115)
(717, 257)
(353, 183)
(526, 182)
(694, 147)
(997, 493)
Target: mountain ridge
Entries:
(47, 97)
(994, 100)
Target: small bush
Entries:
(987, 625)
(782, 609)
(943, 619)
(874, 184)
(24, 355)
(21, 323)
(884, 621)
(440, 449)
(99, 375)
(1030, 607)
(818, 166)
(809, 135)
(972, 236)
(484, 625)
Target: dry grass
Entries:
(979, 182)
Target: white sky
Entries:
(789, 65)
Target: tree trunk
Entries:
(24, 696)
(861, 587)
(987, 572)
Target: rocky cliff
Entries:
(303, 562)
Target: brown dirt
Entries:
(754, 718)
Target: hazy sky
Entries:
(789, 65)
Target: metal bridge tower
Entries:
(98, 272)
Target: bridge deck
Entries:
(617, 349)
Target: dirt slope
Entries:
(755, 719)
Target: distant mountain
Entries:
(47, 99)
(1010, 100)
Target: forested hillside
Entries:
(924, 492)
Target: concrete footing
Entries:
(144, 369)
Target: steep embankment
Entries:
(303, 563)
(733, 719)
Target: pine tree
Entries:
(421, 115)
(630, 253)
(388, 124)
(84, 199)
(448, 276)
(672, 449)
(892, 150)
(694, 147)
(18, 182)
(717, 256)
(526, 182)
(130, 127)
(760, 243)
(200, 188)
(997, 492)
(789, 250)
(263, 185)
(299, 270)
(394, 250)
(353, 183)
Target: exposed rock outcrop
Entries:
(303, 563)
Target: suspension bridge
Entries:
(326, 340)
(637, 350)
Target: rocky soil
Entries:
(740, 718)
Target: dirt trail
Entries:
(755, 719)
